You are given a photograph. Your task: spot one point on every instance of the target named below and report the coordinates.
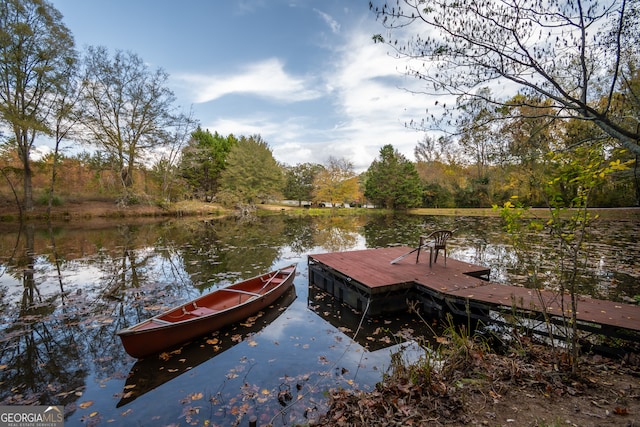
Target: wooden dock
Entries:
(367, 281)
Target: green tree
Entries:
(251, 173)
(204, 159)
(299, 181)
(128, 108)
(36, 55)
(579, 172)
(392, 181)
(572, 53)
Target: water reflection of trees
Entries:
(64, 292)
(337, 233)
(611, 253)
(52, 333)
(38, 348)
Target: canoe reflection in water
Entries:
(150, 373)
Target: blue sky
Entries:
(305, 75)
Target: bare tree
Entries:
(66, 114)
(570, 52)
(168, 157)
(128, 107)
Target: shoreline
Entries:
(82, 210)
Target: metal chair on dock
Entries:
(435, 241)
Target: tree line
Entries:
(579, 116)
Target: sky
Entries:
(303, 74)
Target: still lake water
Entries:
(65, 291)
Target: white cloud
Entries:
(363, 84)
(328, 19)
(366, 88)
(370, 96)
(266, 79)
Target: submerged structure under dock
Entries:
(367, 281)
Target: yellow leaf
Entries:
(93, 414)
(86, 404)
(442, 340)
(196, 396)
(265, 391)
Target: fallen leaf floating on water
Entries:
(86, 404)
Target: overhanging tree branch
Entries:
(570, 53)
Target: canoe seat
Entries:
(202, 311)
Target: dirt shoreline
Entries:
(92, 209)
(514, 389)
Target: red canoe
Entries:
(206, 314)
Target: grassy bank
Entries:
(604, 213)
(109, 208)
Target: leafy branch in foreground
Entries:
(577, 175)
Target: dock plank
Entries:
(372, 268)
(593, 310)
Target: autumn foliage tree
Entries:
(336, 183)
